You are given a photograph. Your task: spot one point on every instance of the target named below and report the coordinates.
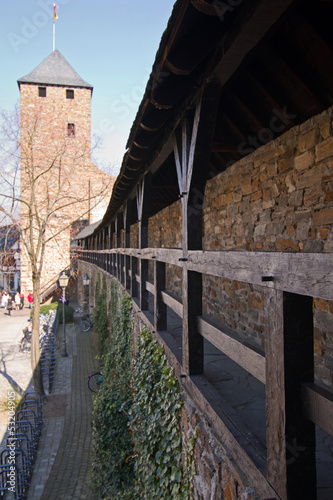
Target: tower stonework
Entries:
(55, 125)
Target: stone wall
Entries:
(216, 474)
(279, 198)
(165, 228)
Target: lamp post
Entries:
(63, 282)
(86, 282)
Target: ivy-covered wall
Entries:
(150, 439)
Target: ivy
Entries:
(112, 469)
(139, 452)
(155, 418)
(100, 314)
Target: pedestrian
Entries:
(67, 299)
(30, 299)
(9, 305)
(22, 300)
(4, 299)
(17, 301)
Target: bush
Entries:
(44, 309)
(69, 311)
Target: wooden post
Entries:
(291, 466)
(192, 172)
(193, 352)
(127, 228)
(275, 400)
(133, 282)
(112, 232)
(143, 204)
(160, 309)
(118, 236)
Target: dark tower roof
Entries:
(55, 70)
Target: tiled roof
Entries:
(55, 70)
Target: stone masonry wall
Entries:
(165, 231)
(216, 474)
(279, 198)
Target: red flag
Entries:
(55, 7)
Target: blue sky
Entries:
(111, 44)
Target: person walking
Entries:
(4, 299)
(9, 305)
(30, 299)
(17, 301)
(22, 300)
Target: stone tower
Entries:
(55, 126)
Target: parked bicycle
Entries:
(86, 323)
(95, 381)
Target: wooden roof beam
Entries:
(239, 42)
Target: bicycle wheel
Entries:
(84, 325)
(95, 381)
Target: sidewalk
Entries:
(15, 366)
(61, 470)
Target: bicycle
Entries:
(85, 323)
(95, 381)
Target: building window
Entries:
(71, 129)
(69, 94)
(41, 91)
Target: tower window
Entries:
(71, 129)
(69, 94)
(41, 91)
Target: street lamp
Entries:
(86, 282)
(63, 282)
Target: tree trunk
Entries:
(35, 347)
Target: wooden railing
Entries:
(289, 281)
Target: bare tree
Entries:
(48, 182)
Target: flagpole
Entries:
(55, 17)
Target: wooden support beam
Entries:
(127, 242)
(275, 396)
(196, 142)
(143, 205)
(160, 310)
(193, 352)
(143, 273)
(301, 273)
(306, 274)
(291, 447)
(133, 272)
(173, 303)
(239, 42)
(225, 341)
(318, 406)
(299, 369)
